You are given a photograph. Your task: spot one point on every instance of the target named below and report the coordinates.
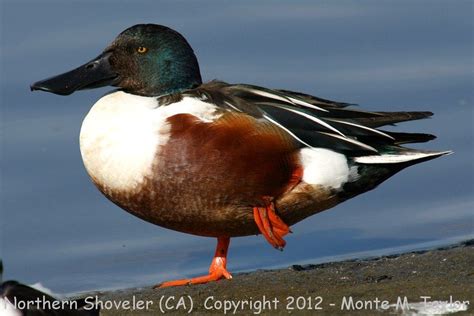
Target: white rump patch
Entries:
(122, 133)
(391, 158)
(326, 167)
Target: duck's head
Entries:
(145, 59)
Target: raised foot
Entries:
(272, 227)
(217, 270)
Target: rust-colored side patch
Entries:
(246, 159)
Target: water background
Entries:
(57, 229)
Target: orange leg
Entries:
(272, 227)
(217, 270)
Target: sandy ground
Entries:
(441, 274)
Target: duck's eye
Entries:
(142, 50)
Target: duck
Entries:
(18, 299)
(223, 160)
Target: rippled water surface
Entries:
(57, 229)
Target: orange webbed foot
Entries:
(217, 270)
(272, 227)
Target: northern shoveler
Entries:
(223, 160)
(17, 299)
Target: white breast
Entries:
(122, 134)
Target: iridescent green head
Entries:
(145, 59)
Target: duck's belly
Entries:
(197, 218)
(202, 180)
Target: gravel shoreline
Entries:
(444, 274)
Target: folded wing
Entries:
(316, 122)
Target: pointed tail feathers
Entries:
(404, 156)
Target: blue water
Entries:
(57, 229)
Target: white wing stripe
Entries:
(270, 95)
(353, 141)
(312, 118)
(306, 104)
(286, 99)
(363, 127)
(287, 130)
(233, 106)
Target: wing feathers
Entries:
(313, 121)
(390, 118)
(405, 156)
(359, 130)
(311, 118)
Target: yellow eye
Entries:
(142, 50)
